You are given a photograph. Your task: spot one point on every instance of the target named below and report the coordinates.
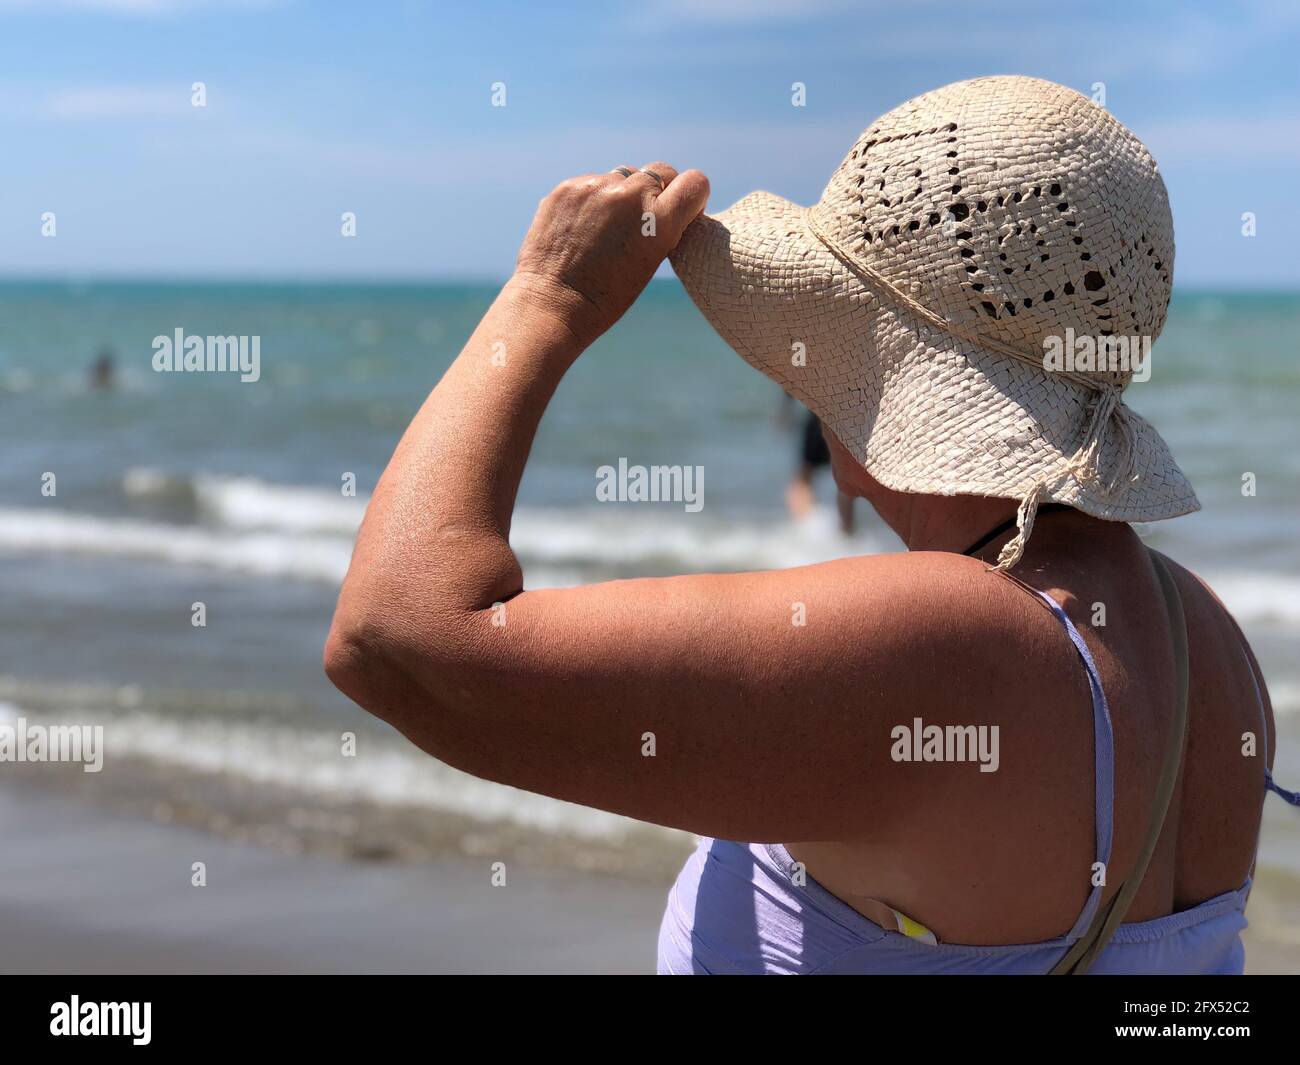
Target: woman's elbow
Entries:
(429, 697)
(352, 664)
(398, 674)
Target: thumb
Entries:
(681, 203)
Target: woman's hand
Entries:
(597, 240)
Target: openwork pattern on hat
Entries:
(1002, 206)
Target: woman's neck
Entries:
(950, 523)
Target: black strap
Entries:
(1007, 526)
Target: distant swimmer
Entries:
(103, 371)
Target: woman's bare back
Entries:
(1006, 857)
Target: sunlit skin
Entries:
(768, 731)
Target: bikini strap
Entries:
(1083, 953)
(1270, 784)
(1293, 797)
(1103, 744)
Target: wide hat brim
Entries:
(924, 411)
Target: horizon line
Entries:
(437, 280)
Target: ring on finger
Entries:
(651, 173)
(626, 171)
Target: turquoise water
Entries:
(179, 488)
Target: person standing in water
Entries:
(103, 371)
(813, 456)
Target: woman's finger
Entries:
(681, 203)
(654, 178)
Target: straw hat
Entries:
(924, 307)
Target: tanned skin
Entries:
(767, 731)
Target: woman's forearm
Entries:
(435, 536)
(434, 547)
(433, 552)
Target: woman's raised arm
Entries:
(672, 700)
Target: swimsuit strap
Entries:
(1270, 784)
(1103, 737)
(1077, 960)
(1293, 797)
(1103, 745)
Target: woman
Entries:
(929, 765)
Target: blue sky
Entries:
(384, 109)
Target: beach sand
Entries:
(86, 891)
(93, 892)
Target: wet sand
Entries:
(85, 891)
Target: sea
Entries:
(122, 508)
